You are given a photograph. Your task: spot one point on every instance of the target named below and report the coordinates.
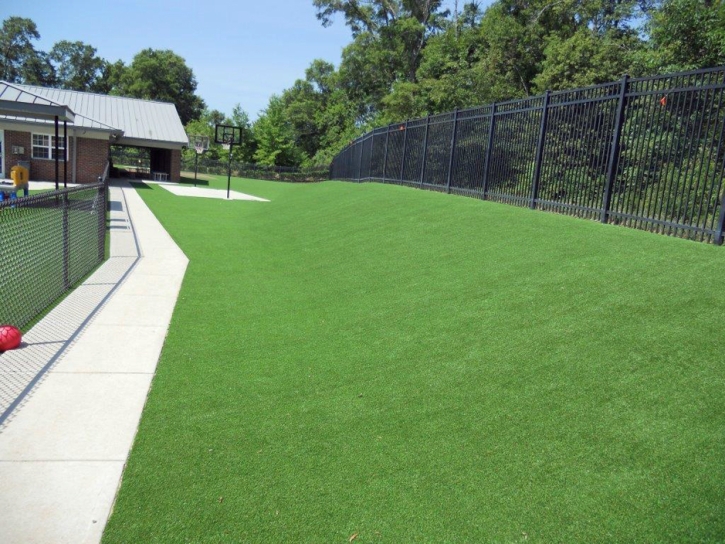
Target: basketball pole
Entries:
(229, 170)
(196, 166)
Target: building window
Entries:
(44, 147)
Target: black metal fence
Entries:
(48, 243)
(646, 153)
(255, 171)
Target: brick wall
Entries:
(92, 156)
(175, 174)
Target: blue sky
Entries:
(241, 51)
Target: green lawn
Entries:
(407, 366)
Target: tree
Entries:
(446, 76)
(399, 25)
(586, 59)
(76, 66)
(245, 152)
(38, 70)
(204, 126)
(275, 137)
(110, 77)
(162, 75)
(19, 60)
(686, 34)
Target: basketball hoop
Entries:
(227, 136)
(200, 145)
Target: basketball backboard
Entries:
(228, 135)
(199, 143)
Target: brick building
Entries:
(93, 123)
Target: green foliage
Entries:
(407, 58)
(410, 58)
(585, 58)
(77, 67)
(275, 137)
(111, 75)
(686, 34)
(245, 152)
(162, 75)
(20, 62)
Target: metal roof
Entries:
(141, 122)
(16, 102)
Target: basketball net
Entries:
(199, 146)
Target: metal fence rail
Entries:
(645, 153)
(48, 243)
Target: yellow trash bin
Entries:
(19, 175)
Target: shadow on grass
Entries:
(191, 181)
(139, 185)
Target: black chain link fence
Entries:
(256, 171)
(645, 153)
(48, 243)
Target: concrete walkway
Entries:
(83, 380)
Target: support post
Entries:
(101, 210)
(491, 128)
(614, 151)
(721, 222)
(361, 144)
(65, 154)
(66, 241)
(74, 174)
(229, 170)
(55, 147)
(454, 138)
(540, 152)
(425, 150)
(372, 149)
(405, 142)
(385, 157)
(196, 166)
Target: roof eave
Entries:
(36, 111)
(140, 142)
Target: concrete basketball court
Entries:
(205, 192)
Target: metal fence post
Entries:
(425, 149)
(405, 141)
(486, 166)
(66, 243)
(614, 151)
(372, 150)
(101, 208)
(454, 138)
(540, 152)
(721, 223)
(57, 158)
(385, 157)
(359, 160)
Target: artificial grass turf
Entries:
(407, 366)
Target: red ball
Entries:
(10, 337)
